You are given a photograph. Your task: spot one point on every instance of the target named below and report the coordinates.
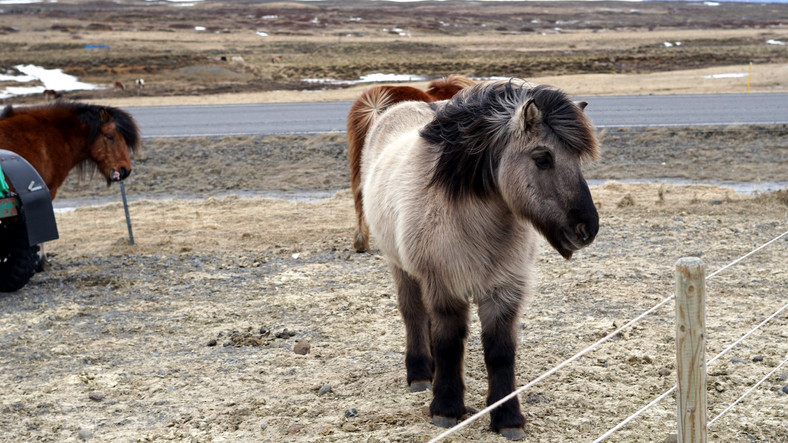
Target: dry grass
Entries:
(601, 48)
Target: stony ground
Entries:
(245, 318)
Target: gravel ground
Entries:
(247, 318)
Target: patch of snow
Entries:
(775, 42)
(54, 79)
(200, 28)
(727, 75)
(262, 34)
(369, 78)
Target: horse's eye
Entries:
(109, 137)
(543, 160)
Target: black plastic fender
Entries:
(34, 195)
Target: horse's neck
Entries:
(64, 150)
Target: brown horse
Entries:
(374, 101)
(455, 194)
(57, 137)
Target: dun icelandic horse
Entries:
(455, 194)
(57, 137)
(374, 101)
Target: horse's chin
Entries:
(566, 253)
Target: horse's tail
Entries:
(362, 115)
(446, 88)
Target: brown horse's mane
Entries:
(469, 131)
(92, 116)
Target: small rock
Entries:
(85, 434)
(96, 396)
(302, 347)
(212, 342)
(352, 412)
(672, 438)
(738, 360)
(757, 358)
(284, 334)
(295, 429)
(325, 389)
(263, 426)
(785, 389)
(664, 372)
(349, 427)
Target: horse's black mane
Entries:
(90, 115)
(470, 130)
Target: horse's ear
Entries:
(530, 114)
(8, 111)
(104, 115)
(582, 105)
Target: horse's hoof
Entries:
(444, 422)
(360, 243)
(420, 385)
(513, 434)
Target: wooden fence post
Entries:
(691, 349)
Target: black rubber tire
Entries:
(18, 260)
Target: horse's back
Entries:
(395, 122)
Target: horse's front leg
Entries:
(449, 318)
(418, 359)
(498, 314)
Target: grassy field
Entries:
(215, 48)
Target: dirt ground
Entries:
(189, 335)
(243, 253)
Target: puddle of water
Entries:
(743, 188)
(70, 204)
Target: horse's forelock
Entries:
(567, 121)
(127, 127)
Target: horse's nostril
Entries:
(124, 172)
(582, 232)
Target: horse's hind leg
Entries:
(498, 314)
(418, 360)
(361, 237)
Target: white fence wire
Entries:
(604, 339)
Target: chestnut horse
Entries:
(455, 194)
(375, 100)
(57, 137)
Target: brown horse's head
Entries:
(113, 134)
(525, 145)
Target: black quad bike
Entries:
(26, 220)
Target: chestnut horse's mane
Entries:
(468, 128)
(91, 116)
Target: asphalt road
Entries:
(306, 118)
